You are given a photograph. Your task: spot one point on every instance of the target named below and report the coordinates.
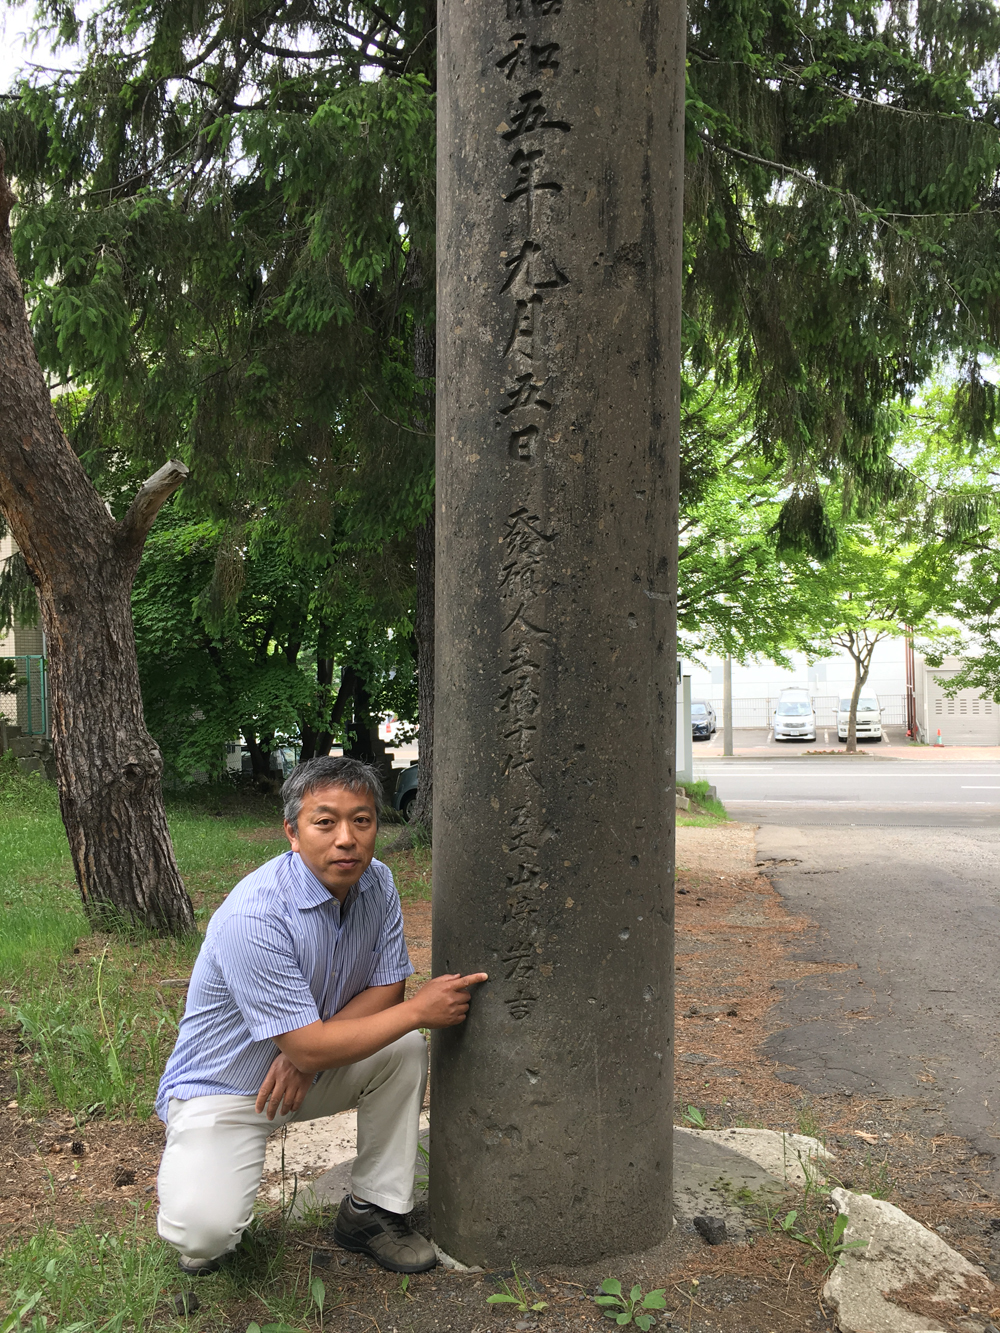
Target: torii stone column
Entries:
(560, 167)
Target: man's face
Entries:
(336, 836)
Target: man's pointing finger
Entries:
(473, 979)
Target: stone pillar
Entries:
(559, 234)
(727, 706)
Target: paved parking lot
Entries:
(757, 738)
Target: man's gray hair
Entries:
(328, 771)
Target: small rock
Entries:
(695, 1058)
(185, 1302)
(321, 1258)
(712, 1229)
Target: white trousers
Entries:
(214, 1156)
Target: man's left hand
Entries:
(283, 1089)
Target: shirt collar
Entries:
(308, 892)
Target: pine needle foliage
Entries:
(842, 235)
(225, 226)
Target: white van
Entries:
(869, 725)
(795, 717)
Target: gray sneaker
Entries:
(199, 1267)
(385, 1237)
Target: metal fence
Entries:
(760, 712)
(28, 706)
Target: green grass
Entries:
(114, 1274)
(108, 1277)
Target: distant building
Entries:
(968, 719)
(28, 708)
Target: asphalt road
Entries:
(908, 916)
(911, 919)
(861, 792)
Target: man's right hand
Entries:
(444, 1002)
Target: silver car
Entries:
(869, 718)
(794, 718)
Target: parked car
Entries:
(406, 790)
(795, 717)
(869, 719)
(702, 720)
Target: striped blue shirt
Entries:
(279, 953)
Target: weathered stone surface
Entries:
(785, 1157)
(559, 189)
(898, 1251)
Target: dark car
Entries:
(702, 720)
(406, 791)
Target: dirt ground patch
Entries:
(63, 1170)
(736, 945)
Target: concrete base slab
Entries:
(713, 1169)
(898, 1252)
(793, 1159)
(711, 1178)
(329, 1146)
(312, 1146)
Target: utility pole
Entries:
(560, 164)
(727, 707)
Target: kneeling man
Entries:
(295, 1010)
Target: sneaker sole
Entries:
(206, 1270)
(353, 1247)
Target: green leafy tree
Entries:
(733, 582)
(874, 588)
(287, 655)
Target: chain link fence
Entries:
(27, 705)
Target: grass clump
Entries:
(709, 810)
(93, 1277)
(115, 1275)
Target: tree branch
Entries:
(149, 500)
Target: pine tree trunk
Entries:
(83, 564)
